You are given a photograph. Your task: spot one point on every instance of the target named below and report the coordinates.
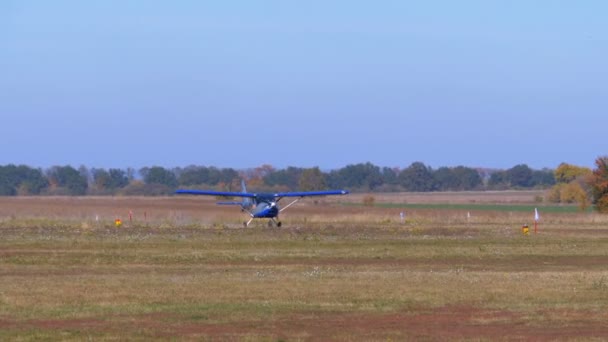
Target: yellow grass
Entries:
(189, 271)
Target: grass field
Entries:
(183, 268)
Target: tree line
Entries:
(363, 177)
(566, 184)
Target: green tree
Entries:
(289, 178)
(360, 176)
(109, 180)
(543, 178)
(417, 177)
(312, 179)
(160, 175)
(459, 178)
(118, 178)
(498, 180)
(101, 179)
(519, 176)
(69, 179)
(21, 180)
(194, 175)
(390, 176)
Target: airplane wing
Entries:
(311, 193)
(215, 193)
(252, 195)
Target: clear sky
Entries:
(119, 83)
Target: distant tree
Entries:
(390, 176)
(21, 180)
(118, 178)
(229, 176)
(263, 170)
(69, 179)
(459, 178)
(160, 175)
(360, 176)
(9, 180)
(215, 175)
(194, 175)
(7, 190)
(312, 179)
(444, 178)
(289, 178)
(130, 173)
(33, 182)
(468, 178)
(101, 179)
(498, 180)
(519, 176)
(599, 184)
(109, 180)
(543, 178)
(417, 177)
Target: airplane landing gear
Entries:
(273, 223)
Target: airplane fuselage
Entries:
(265, 210)
(265, 207)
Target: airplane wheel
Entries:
(279, 224)
(269, 224)
(245, 224)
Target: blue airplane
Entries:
(261, 205)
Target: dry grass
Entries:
(190, 272)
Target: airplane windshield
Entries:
(265, 198)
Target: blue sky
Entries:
(119, 83)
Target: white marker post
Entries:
(536, 219)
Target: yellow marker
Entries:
(117, 223)
(525, 230)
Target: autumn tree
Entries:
(566, 173)
(599, 184)
(571, 186)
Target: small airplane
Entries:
(263, 205)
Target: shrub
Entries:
(369, 201)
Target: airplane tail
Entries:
(247, 203)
